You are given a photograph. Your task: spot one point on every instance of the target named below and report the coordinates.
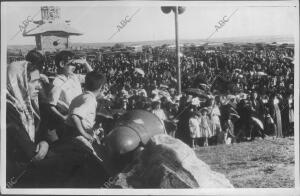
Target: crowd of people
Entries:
(228, 95)
(251, 77)
(255, 84)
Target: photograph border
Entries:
(215, 191)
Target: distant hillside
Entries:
(237, 40)
(249, 39)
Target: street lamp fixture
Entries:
(177, 10)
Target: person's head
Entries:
(204, 111)
(124, 102)
(36, 59)
(217, 99)
(254, 95)
(63, 62)
(34, 66)
(95, 82)
(156, 104)
(210, 102)
(143, 94)
(196, 113)
(23, 86)
(137, 85)
(265, 98)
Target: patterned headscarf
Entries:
(18, 97)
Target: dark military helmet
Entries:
(132, 130)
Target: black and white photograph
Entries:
(150, 97)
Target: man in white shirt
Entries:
(82, 110)
(66, 86)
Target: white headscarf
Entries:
(18, 96)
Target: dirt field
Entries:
(258, 164)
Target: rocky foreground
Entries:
(169, 163)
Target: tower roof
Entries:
(52, 26)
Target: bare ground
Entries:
(268, 163)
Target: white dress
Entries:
(205, 130)
(215, 121)
(194, 126)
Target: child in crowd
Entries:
(229, 131)
(66, 86)
(82, 110)
(157, 111)
(215, 122)
(204, 126)
(194, 125)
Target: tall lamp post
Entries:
(177, 10)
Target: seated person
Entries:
(31, 162)
(82, 111)
(66, 86)
(41, 104)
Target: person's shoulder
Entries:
(59, 80)
(78, 100)
(76, 76)
(88, 97)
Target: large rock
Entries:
(167, 162)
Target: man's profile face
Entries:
(69, 67)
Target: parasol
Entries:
(196, 92)
(260, 73)
(140, 71)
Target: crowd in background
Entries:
(243, 93)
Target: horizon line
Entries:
(182, 39)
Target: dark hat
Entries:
(204, 109)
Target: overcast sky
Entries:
(98, 21)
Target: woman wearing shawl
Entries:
(28, 156)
